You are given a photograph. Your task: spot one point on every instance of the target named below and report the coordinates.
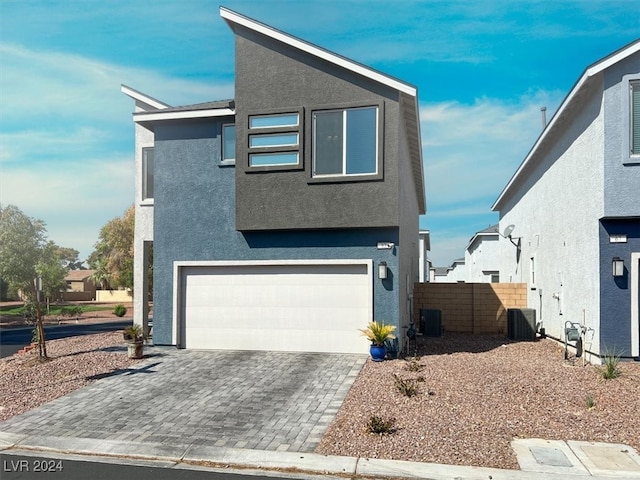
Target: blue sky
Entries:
(483, 70)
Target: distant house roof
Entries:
(78, 275)
(563, 111)
(487, 232)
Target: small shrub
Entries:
(406, 387)
(589, 401)
(609, 369)
(380, 426)
(29, 312)
(120, 310)
(414, 366)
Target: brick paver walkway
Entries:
(256, 400)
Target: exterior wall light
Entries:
(382, 270)
(618, 267)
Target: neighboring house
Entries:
(80, 286)
(574, 204)
(286, 218)
(481, 257)
(425, 264)
(456, 272)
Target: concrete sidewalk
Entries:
(304, 464)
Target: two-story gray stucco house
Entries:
(574, 208)
(284, 219)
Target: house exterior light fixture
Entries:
(382, 270)
(618, 267)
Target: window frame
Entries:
(629, 82)
(224, 160)
(634, 116)
(271, 131)
(380, 133)
(144, 176)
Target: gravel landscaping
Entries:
(74, 362)
(474, 394)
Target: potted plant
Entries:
(378, 333)
(135, 340)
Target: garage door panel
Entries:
(286, 308)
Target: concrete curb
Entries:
(182, 456)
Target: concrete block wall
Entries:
(470, 307)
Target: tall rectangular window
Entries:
(345, 142)
(228, 142)
(147, 173)
(635, 118)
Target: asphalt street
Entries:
(13, 339)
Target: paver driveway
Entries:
(258, 400)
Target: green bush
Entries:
(120, 310)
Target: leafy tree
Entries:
(113, 255)
(22, 243)
(52, 270)
(69, 258)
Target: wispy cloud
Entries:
(66, 141)
(470, 152)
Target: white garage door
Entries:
(293, 307)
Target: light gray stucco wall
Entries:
(195, 220)
(143, 228)
(621, 173)
(555, 210)
(271, 76)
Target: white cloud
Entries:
(470, 151)
(66, 142)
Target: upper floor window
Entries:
(147, 173)
(345, 142)
(274, 140)
(635, 118)
(228, 143)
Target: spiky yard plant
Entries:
(609, 369)
(379, 332)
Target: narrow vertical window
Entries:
(635, 118)
(147, 173)
(228, 142)
(533, 272)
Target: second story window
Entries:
(147, 173)
(345, 142)
(635, 118)
(228, 143)
(274, 140)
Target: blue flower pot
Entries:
(378, 352)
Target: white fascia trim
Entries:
(316, 51)
(179, 264)
(141, 97)
(590, 72)
(249, 263)
(213, 112)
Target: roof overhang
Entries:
(182, 115)
(141, 97)
(233, 19)
(591, 71)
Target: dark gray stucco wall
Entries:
(271, 77)
(194, 219)
(615, 294)
(621, 173)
